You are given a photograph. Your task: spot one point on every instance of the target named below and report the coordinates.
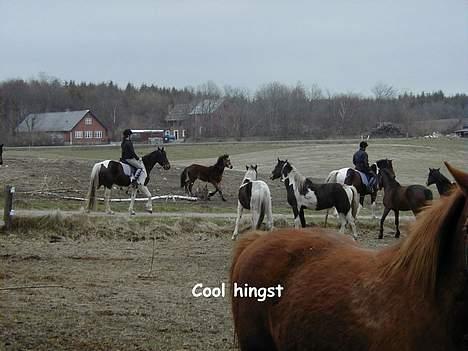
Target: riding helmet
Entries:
(127, 132)
(362, 144)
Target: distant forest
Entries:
(275, 110)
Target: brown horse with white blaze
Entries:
(339, 296)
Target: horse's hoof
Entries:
(149, 211)
(397, 235)
(110, 212)
(380, 236)
(132, 213)
(223, 199)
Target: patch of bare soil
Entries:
(102, 294)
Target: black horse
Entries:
(400, 198)
(442, 183)
(108, 173)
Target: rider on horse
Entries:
(361, 162)
(130, 157)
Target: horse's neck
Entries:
(149, 161)
(443, 186)
(389, 182)
(219, 166)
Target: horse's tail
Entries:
(93, 185)
(183, 177)
(331, 178)
(355, 202)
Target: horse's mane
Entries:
(221, 158)
(418, 256)
(298, 178)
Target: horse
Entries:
(1, 152)
(212, 174)
(254, 195)
(108, 173)
(400, 198)
(443, 184)
(303, 193)
(350, 176)
(337, 296)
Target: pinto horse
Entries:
(400, 198)
(1, 152)
(350, 176)
(254, 195)
(303, 193)
(108, 173)
(212, 174)
(444, 186)
(339, 296)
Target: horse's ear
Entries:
(162, 149)
(255, 167)
(437, 169)
(278, 159)
(460, 177)
(246, 167)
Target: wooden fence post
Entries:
(8, 208)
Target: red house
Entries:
(70, 127)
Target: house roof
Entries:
(179, 112)
(206, 106)
(51, 121)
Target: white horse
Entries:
(254, 195)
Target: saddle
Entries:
(128, 169)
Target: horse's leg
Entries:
(132, 201)
(297, 221)
(107, 193)
(302, 218)
(190, 186)
(397, 223)
(342, 219)
(350, 220)
(373, 197)
(382, 220)
(361, 203)
(239, 215)
(149, 202)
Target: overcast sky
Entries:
(339, 45)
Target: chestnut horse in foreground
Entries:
(339, 296)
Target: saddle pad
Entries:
(128, 170)
(364, 179)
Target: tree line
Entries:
(275, 110)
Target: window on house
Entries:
(88, 134)
(88, 121)
(98, 134)
(78, 134)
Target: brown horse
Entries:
(212, 174)
(400, 198)
(338, 296)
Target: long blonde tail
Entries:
(93, 185)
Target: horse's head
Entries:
(276, 173)
(162, 159)
(251, 172)
(432, 176)
(226, 161)
(286, 169)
